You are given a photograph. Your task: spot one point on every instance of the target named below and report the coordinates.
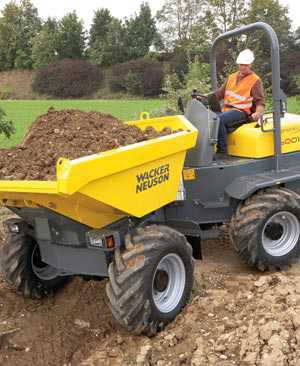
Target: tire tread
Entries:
(250, 215)
(126, 289)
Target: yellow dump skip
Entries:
(99, 189)
(250, 142)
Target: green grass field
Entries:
(23, 113)
(294, 105)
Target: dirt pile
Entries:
(236, 317)
(70, 134)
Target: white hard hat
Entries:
(246, 57)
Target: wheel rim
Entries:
(281, 233)
(42, 270)
(168, 283)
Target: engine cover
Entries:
(249, 141)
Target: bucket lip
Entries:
(28, 186)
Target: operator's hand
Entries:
(256, 116)
(202, 99)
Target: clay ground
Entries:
(235, 317)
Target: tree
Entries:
(112, 49)
(177, 19)
(273, 13)
(192, 25)
(112, 41)
(225, 15)
(71, 37)
(6, 126)
(30, 25)
(218, 16)
(45, 44)
(141, 33)
(276, 15)
(100, 26)
(98, 39)
(297, 38)
(9, 31)
(18, 25)
(290, 66)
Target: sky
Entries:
(119, 8)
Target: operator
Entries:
(243, 98)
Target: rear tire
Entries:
(265, 230)
(22, 267)
(150, 280)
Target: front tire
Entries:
(22, 267)
(150, 280)
(265, 231)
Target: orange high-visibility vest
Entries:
(238, 95)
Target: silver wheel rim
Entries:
(281, 233)
(170, 272)
(42, 270)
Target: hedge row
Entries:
(68, 78)
(138, 77)
(78, 78)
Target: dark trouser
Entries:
(228, 119)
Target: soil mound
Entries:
(70, 134)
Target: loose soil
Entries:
(70, 134)
(235, 317)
